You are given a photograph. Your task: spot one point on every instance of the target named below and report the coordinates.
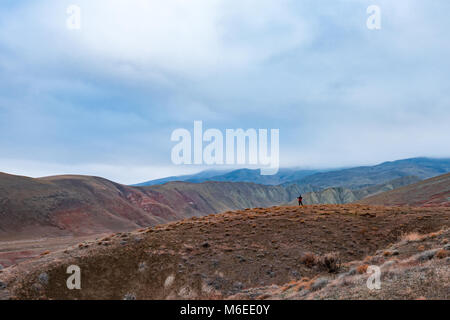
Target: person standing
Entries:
(300, 200)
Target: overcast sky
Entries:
(104, 100)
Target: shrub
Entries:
(387, 253)
(441, 254)
(362, 268)
(309, 259)
(331, 261)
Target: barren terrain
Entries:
(225, 255)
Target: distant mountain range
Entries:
(240, 175)
(351, 178)
(360, 177)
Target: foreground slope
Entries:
(220, 255)
(431, 192)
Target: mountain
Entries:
(83, 205)
(201, 176)
(360, 177)
(431, 192)
(351, 178)
(241, 175)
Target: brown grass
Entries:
(441, 254)
(362, 268)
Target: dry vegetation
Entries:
(320, 251)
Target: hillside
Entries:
(431, 192)
(65, 205)
(228, 254)
(341, 195)
(82, 205)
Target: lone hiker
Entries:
(300, 200)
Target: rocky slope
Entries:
(415, 268)
(431, 192)
(341, 195)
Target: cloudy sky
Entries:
(104, 100)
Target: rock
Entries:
(352, 272)
(129, 296)
(238, 286)
(295, 273)
(2, 285)
(447, 246)
(319, 284)
(43, 278)
(142, 266)
(37, 287)
(169, 281)
(426, 255)
(387, 264)
(205, 245)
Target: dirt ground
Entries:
(220, 255)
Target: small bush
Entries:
(309, 259)
(362, 268)
(441, 254)
(331, 261)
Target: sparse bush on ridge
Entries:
(362, 268)
(309, 259)
(331, 261)
(441, 254)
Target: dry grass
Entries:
(441, 254)
(413, 236)
(362, 268)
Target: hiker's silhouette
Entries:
(300, 200)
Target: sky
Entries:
(104, 99)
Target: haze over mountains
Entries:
(353, 178)
(83, 205)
